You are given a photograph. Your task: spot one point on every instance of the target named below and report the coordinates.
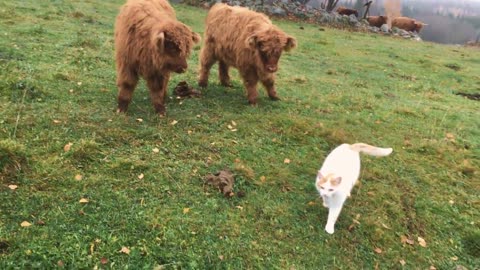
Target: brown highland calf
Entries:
(377, 21)
(149, 43)
(246, 40)
(408, 24)
(347, 11)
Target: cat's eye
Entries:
(330, 189)
(322, 187)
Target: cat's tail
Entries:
(370, 150)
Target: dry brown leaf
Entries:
(155, 150)
(78, 177)
(186, 210)
(450, 136)
(234, 123)
(454, 258)
(140, 176)
(25, 224)
(140, 120)
(12, 187)
(451, 202)
(83, 200)
(230, 127)
(422, 242)
(311, 203)
(125, 250)
(432, 267)
(263, 179)
(174, 122)
(239, 207)
(67, 147)
(55, 121)
(286, 161)
(377, 250)
(402, 262)
(103, 260)
(221, 257)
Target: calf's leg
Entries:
(207, 60)
(223, 74)
(269, 84)
(250, 80)
(158, 91)
(126, 82)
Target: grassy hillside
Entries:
(115, 191)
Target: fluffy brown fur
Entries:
(246, 40)
(377, 21)
(347, 11)
(149, 43)
(408, 24)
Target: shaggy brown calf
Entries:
(347, 11)
(377, 21)
(149, 43)
(246, 40)
(408, 24)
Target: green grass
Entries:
(57, 86)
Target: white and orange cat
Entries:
(338, 175)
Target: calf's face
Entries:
(269, 47)
(175, 49)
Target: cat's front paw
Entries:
(329, 229)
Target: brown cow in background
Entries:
(246, 40)
(377, 21)
(149, 43)
(408, 24)
(347, 11)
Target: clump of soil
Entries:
(469, 96)
(223, 180)
(183, 90)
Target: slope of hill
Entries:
(82, 187)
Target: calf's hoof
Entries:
(160, 110)
(227, 84)
(203, 83)
(274, 98)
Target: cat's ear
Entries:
(336, 181)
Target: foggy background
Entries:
(449, 21)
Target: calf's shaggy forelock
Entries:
(149, 43)
(247, 40)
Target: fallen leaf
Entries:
(79, 83)
(311, 203)
(140, 120)
(186, 210)
(286, 161)
(221, 257)
(125, 250)
(67, 147)
(25, 224)
(432, 267)
(103, 260)
(174, 122)
(385, 226)
(377, 250)
(189, 132)
(402, 262)
(450, 136)
(60, 263)
(230, 127)
(78, 177)
(422, 242)
(12, 187)
(155, 150)
(239, 207)
(451, 202)
(233, 123)
(263, 179)
(454, 258)
(40, 222)
(55, 121)
(404, 239)
(140, 176)
(83, 200)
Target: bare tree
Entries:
(329, 5)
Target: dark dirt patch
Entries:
(183, 90)
(223, 180)
(469, 96)
(4, 245)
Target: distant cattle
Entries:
(149, 43)
(347, 11)
(247, 40)
(377, 21)
(408, 24)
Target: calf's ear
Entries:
(252, 41)
(196, 37)
(291, 43)
(159, 41)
